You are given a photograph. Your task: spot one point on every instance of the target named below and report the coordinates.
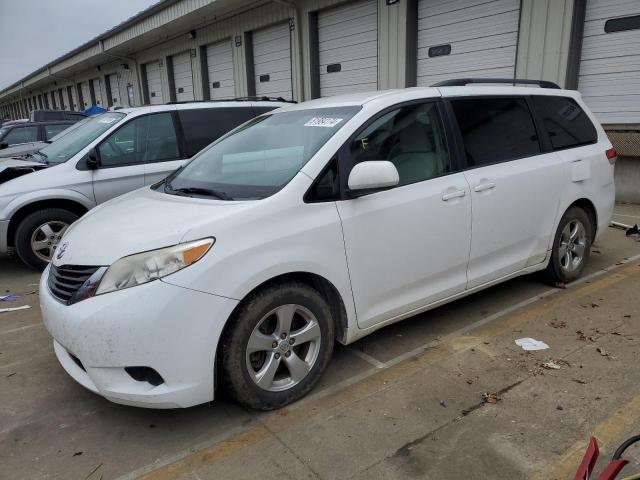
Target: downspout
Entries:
(298, 27)
(135, 61)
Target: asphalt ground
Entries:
(409, 401)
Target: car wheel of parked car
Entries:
(277, 347)
(571, 246)
(38, 234)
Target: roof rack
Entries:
(461, 82)
(238, 99)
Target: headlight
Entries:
(147, 266)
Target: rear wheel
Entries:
(571, 246)
(38, 234)
(278, 346)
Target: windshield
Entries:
(3, 132)
(70, 129)
(72, 142)
(261, 157)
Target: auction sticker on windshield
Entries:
(326, 122)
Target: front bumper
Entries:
(171, 329)
(4, 236)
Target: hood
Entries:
(21, 149)
(136, 222)
(11, 168)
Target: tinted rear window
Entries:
(202, 126)
(261, 110)
(496, 129)
(567, 124)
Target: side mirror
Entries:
(3, 145)
(373, 175)
(92, 160)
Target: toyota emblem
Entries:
(61, 250)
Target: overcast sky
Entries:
(34, 32)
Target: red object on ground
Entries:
(588, 461)
(612, 470)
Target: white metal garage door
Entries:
(114, 89)
(97, 90)
(466, 38)
(76, 102)
(65, 99)
(183, 76)
(272, 61)
(86, 95)
(609, 76)
(220, 68)
(154, 83)
(348, 48)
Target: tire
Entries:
(563, 268)
(31, 229)
(246, 376)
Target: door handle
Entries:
(450, 196)
(484, 186)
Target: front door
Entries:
(121, 168)
(408, 246)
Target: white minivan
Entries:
(322, 222)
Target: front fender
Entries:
(22, 200)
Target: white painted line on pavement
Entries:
(26, 327)
(368, 358)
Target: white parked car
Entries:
(105, 156)
(319, 222)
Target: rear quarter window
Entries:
(566, 123)
(204, 125)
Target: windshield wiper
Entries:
(200, 191)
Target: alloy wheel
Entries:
(573, 245)
(45, 238)
(283, 347)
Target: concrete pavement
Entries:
(405, 402)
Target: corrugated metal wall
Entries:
(544, 39)
(610, 63)
(543, 43)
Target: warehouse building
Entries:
(183, 50)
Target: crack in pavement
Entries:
(405, 450)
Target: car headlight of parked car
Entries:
(148, 266)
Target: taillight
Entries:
(612, 155)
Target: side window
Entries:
(161, 141)
(21, 135)
(51, 131)
(149, 138)
(123, 147)
(410, 137)
(204, 125)
(495, 129)
(327, 187)
(567, 124)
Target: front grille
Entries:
(66, 280)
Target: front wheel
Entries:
(38, 234)
(278, 346)
(571, 246)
